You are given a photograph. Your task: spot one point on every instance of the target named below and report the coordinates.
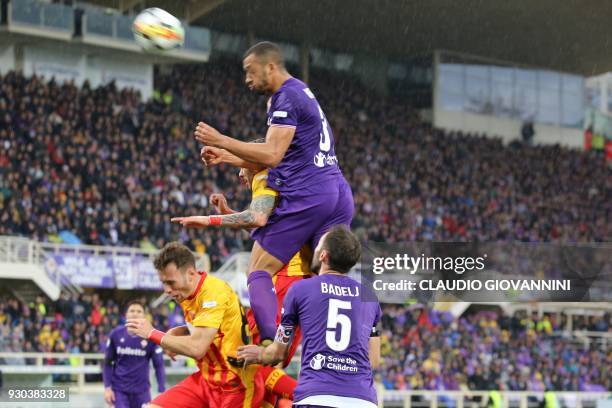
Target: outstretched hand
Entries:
(211, 156)
(208, 135)
(251, 354)
(140, 327)
(220, 203)
(195, 221)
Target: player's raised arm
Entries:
(268, 154)
(265, 73)
(212, 156)
(220, 203)
(255, 216)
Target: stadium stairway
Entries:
(22, 263)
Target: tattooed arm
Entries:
(255, 216)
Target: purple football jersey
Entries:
(310, 159)
(336, 326)
(130, 356)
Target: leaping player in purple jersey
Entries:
(303, 168)
(340, 344)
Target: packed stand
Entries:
(432, 350)
(74, 324)
(425, 349)
(99, 166)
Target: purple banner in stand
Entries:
(104, 271)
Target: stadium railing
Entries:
(31, 257)
(14, 364)
(45, 18)
(602, 339)
(468, 399)
(20, 250)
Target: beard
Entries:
(315, 265)
(262, 88)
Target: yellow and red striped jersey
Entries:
(214, 304)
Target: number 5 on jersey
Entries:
(335, 318)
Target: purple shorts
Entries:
(132, 399)
(302, 217)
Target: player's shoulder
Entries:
(260, 179)
(212, 281)
(214, 286)
(304, 286)
(292, 86)
(117, 331)
(292, 91)
(261, 174)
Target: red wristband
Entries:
(215, 219)
(156, 336)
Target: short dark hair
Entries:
(343, 247)
(136, 302)
(266, 51)
(175, 253)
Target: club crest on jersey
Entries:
(316, 363)
(122, 340)
(284, 334)
(143, 343)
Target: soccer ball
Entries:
(156, 29)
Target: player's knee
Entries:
(259, 267)
(261, 260)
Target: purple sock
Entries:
(263, 302)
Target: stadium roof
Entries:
(569, 35)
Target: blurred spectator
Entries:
(527, 132)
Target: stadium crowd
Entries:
(99, 166)
(102, 167)
(420, 350)
(490, 350)
(75, 323)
